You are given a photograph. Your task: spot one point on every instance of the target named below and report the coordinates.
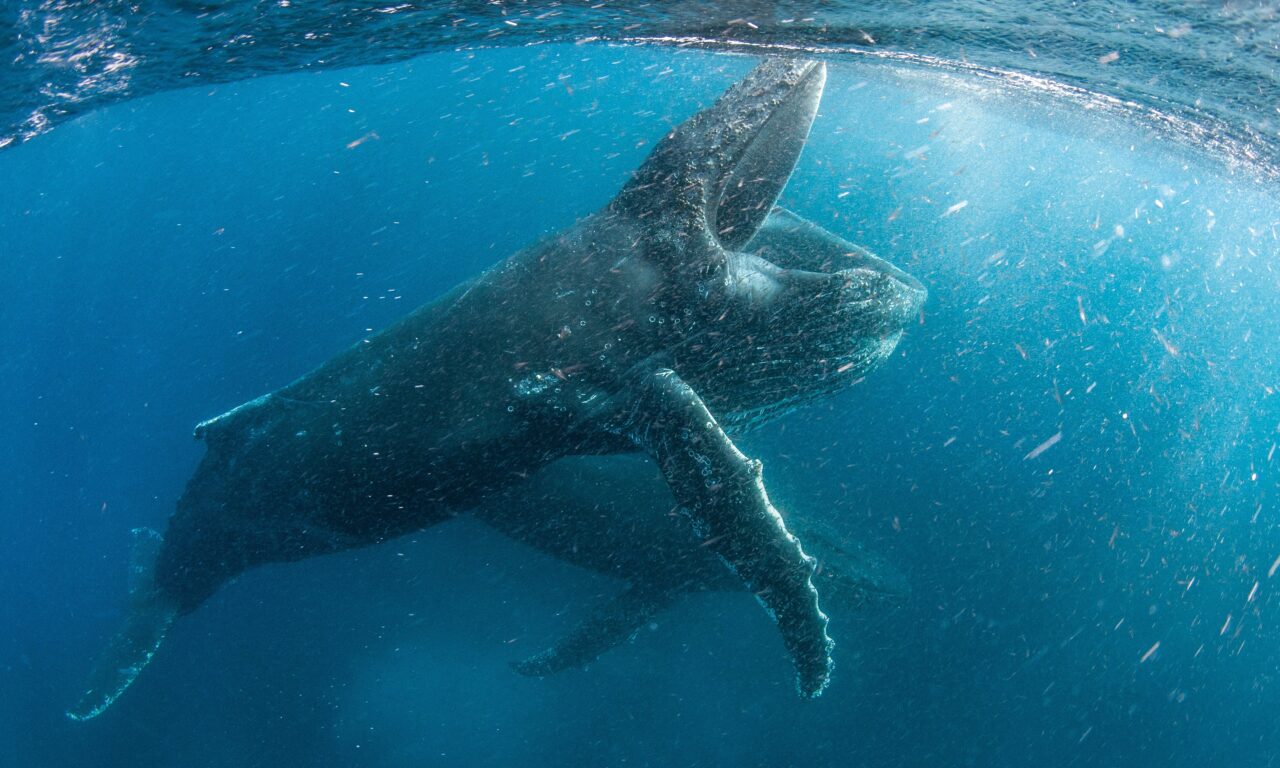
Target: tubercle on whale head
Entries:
(804, 313)
(707, 187)
(757, 308)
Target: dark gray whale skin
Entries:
(615, 515)
(643, 327)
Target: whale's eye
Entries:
(753, 280)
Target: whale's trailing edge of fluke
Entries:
(148, 618)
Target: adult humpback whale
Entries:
(615, 515)
(643, 327)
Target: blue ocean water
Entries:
(1203, 69)
(1070, 457)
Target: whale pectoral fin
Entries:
(609, 625)
(149, 617)
(722, 169)
(722, 491)
(851, 576)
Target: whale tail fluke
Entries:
(149, 616)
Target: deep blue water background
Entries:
(167, 258)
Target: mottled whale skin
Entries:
(615, 515)
(643, 327)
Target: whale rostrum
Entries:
(688, 309)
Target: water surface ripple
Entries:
(1209, 70)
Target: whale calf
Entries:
(687, 309)
(615, 515)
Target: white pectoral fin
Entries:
(723, 493)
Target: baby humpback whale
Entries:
(615, 515)
(645, 326)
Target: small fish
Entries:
(1041, 448)
(370, 136)
(1168, 346)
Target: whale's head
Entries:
(803, 313)
(768, 310)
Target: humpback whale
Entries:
(686, 310)
(615, 515)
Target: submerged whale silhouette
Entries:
(646, 326)
(615, 515)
